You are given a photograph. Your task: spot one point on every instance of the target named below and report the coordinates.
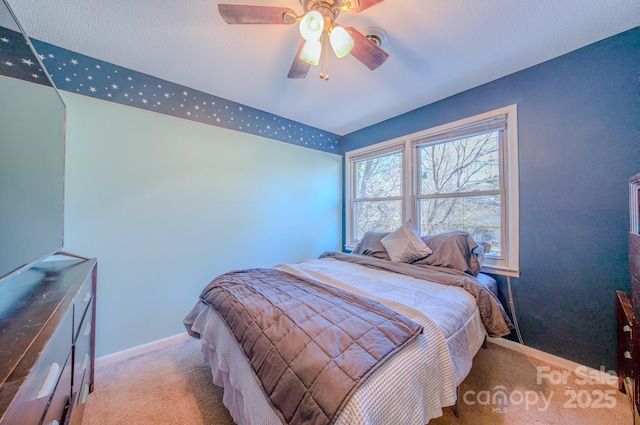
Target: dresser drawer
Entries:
(57, 409)
(79, 399)
(39, 385)
(81, 303)
(626, 349)
(82, 353)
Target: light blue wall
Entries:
(167, 204)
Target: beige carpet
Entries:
(172, 385)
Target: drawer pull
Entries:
(626, 328)
(54, 422)
(85, 394)
(627, 354)
(87, 329)
(50, 381)
(85, 361)
(86, 298)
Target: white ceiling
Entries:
(436, 48)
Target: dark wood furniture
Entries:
(634, 268)
(47, 342)
(626, 346)
(628, 310)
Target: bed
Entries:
(445, 308)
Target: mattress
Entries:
(422, 377)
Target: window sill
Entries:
(502, 271)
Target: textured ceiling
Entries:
(437, 48)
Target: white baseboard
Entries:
(583, 371)
(140, 349)
(586, 372)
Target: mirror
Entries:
(32, 145)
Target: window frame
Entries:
(371, 152)
(508, 265)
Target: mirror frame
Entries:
(47, 249)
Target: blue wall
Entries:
(578, 118)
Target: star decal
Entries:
(124, 86)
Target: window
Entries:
(460, 176)
(378, 191)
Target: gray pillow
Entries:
(404, 245)
(371, 245)
(453, 250)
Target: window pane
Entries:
(379, 177)
(478, 215)
(379, 216)
(462, 165)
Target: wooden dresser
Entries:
(629, 310)
(634, 360)
(47, 342)
(626, 344)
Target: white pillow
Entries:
(404, 245)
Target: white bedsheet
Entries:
(412, 387)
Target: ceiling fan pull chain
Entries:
(323, 64)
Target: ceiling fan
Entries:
(317, 25)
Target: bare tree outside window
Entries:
(459, 188)
(378, 194)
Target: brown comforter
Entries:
(311, 345)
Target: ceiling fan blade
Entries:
(243, 14)
(363, 5)
(299, 68)
(365, 51)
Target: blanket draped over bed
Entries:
(494, 318)
(310, 345)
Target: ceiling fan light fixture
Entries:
(317, 26)
(311, 52)
(341, 41)
(312, 25)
